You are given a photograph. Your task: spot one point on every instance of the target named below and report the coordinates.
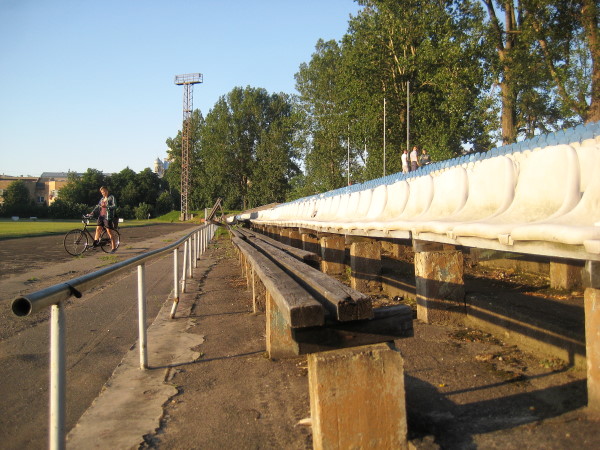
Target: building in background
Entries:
(43, 190)
(161, 166)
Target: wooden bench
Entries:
(307, 310)
(310, 258)
(351, 355)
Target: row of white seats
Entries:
(549, 195)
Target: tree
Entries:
(248, 149)
(326, 124)
(17, 199)
(83, 189)
(547, 63)
(434, 49)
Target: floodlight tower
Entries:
(187, 81)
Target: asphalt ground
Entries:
(100, 327)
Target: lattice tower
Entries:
(187, 81)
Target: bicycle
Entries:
(78, 241)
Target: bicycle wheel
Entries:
(76, 242)
(105, 240)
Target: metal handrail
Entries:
(36, 301)
(54, 297)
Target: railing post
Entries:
(57, 377)
(184, 271)
(189, 266)
(142, 316)
(195, 241)
(175, 283)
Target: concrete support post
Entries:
(333, 253)
(280, 343)
(357, 398)
(310, 243)
(285, 236)
(391, 248)
(294, 238)
(592, 348)
(565, 276)
(439, 284)
(365, 262)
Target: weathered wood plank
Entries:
(388, 324)
(343, 302)
(310, 258)
(297, 306)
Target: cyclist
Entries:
(106, 207)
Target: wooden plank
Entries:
(310, 258)
(297, 306)
(340, 300)
(389, 323)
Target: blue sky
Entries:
(90, 83)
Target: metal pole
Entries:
(195, 241)
(189, 266)
(408, 116)
(384, 132)
(184, 271)
(175, 284)
(57, 377)
(142, 317)
(348, 154)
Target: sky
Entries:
(90, 84)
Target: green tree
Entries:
(164, 203)
(248, 149)
(17, 200)
(84, 188)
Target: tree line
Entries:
(138, 195)
(448, 76)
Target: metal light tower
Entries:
(187, 80)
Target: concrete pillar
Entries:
(391, 248)
(357, 398)
(333, 253)
(310, 243)
(564, 275)
(592, 346)
(280, 342)
(439, 285)
(365, 262)
(294, 238)
(285, 236)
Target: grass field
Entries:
(28, 228)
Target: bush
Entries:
(143, 211)
(62, 209)
(164, 203)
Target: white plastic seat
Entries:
(575, 227)
(547, 186)
(377, 205)
(405, 201)
(481, 203)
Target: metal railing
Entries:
(194, 245)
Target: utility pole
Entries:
(187, 81)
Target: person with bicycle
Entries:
(106, 212)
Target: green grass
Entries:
(28, 228)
